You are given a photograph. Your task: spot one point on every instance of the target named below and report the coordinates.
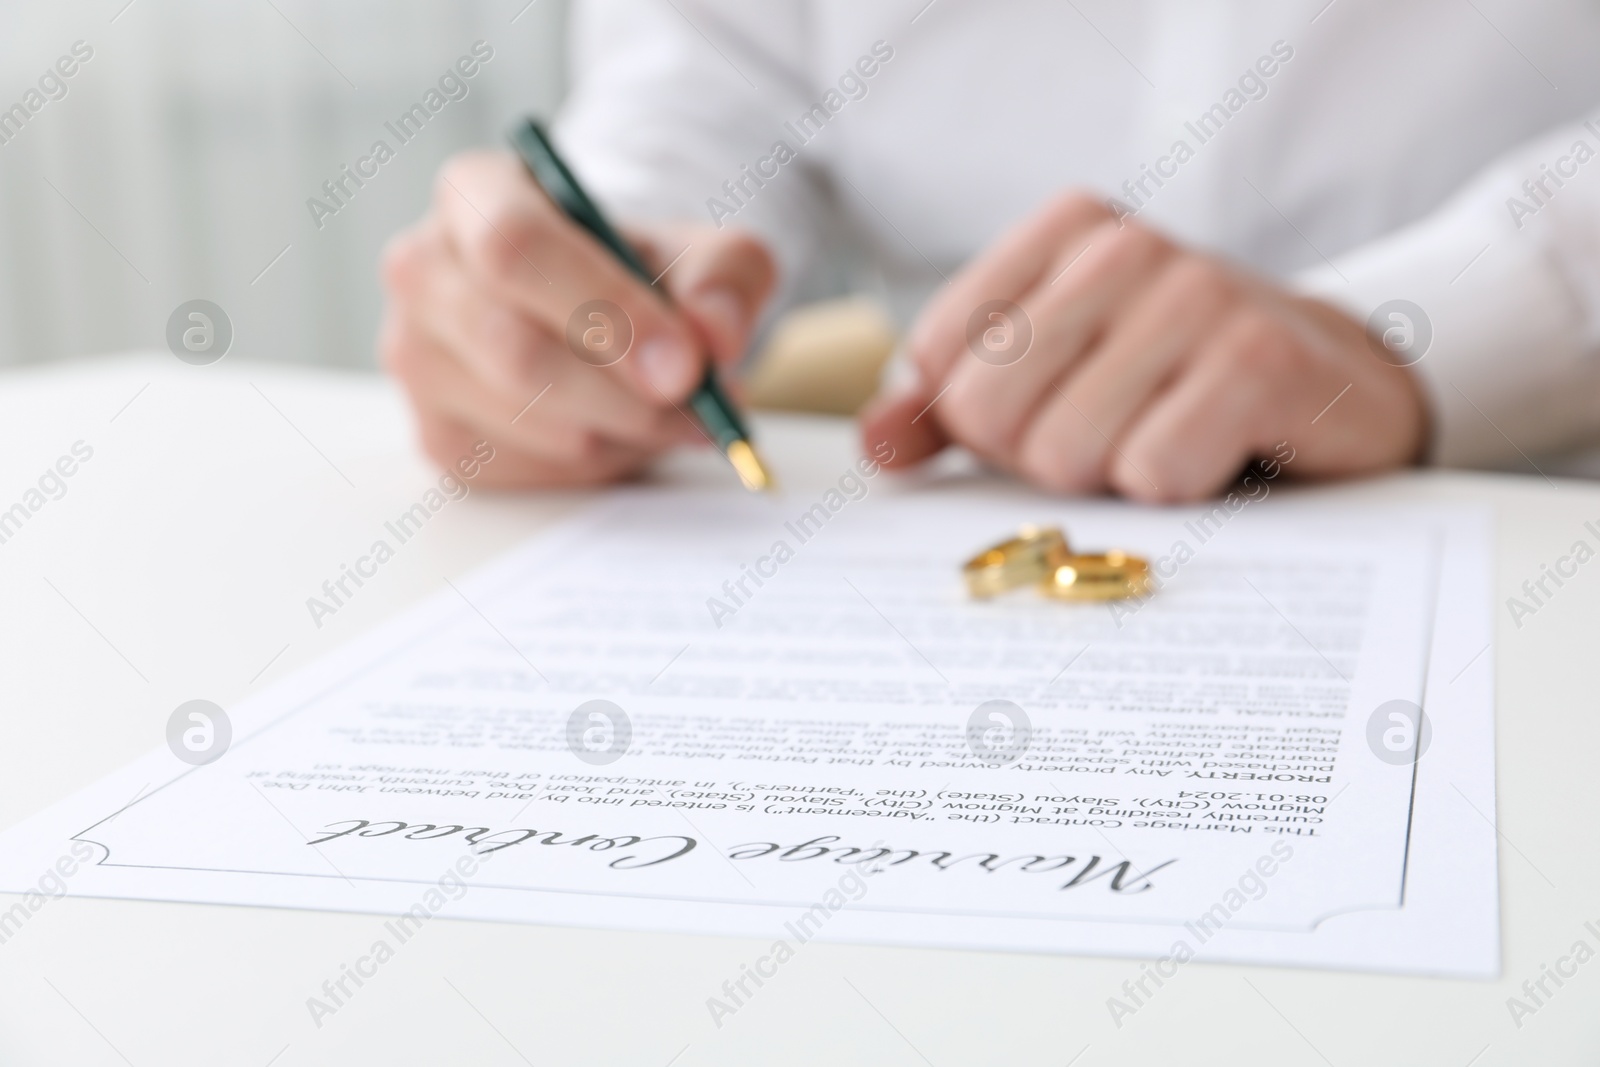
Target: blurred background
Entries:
(178, 163)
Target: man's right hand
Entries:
(486, 329)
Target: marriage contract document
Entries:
(784, 718)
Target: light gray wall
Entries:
(179, 162)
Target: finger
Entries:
(1068, 442)
(1221, 411)
(1006, 270)
(513, 240)
(719, 281)
(514, 357)
(447, 442)
(441, 386)
(905, 422)
(989, 407)
(498, 343)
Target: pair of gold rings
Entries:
(1040, 556)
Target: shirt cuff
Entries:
(1491, 318)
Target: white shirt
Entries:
(1360, 150)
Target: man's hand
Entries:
(1088, 353)
(487, 329)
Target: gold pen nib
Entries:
(752, 472)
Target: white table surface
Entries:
(180, 559)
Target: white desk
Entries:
(186, 547)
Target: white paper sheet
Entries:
(1200, 776)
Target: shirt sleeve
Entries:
(677, 108)
(1499, 290)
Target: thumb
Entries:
(721, 283)
(904, 419)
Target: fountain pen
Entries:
(721, 420)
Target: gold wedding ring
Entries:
(1102, 576)
(1027, 559)
(1039, 556)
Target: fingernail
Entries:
(722, 308)
(668, 365)
(900, 378)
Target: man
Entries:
(1138, 243)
